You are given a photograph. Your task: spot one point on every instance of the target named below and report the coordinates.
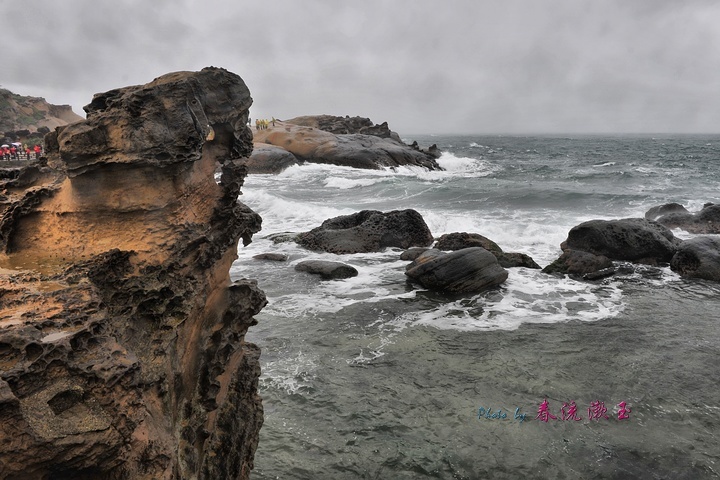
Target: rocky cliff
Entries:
(21, 117)
(122, 352)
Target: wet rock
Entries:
(368, 231)
(600, 274)
(122, 347)
(412, 253)
(632, 239)
(656, 212)
(515, 259)
(698, 257)
(326, 269)
(269, 159)
(706, 221)
(575, 262)
(460, 240)
(469, 270)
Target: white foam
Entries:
(348, 183)
(526, 297)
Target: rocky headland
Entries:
(345, 141)
(28, 119)
(122, 352)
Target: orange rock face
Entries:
(122, 352)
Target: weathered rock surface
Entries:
(460, 240)
(574, 262)
(326, 269)
(698, 257)
(632, 239)
(313, 145)
(469, 270)
(345, 125)
(122, 352)
(368, 231)
(706, 221)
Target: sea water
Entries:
(374, 378)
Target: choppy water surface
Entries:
(371, 378)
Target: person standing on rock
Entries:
(273, 121)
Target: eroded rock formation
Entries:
(122, 352)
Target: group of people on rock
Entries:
(262, 124)
(20, 152)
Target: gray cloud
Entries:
(467, 66)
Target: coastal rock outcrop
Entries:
(706, 221)
(345, 125)
(460, 240)
(122, 352)
(469, 270)
(313, 145)
(633, 239)
(698, 257)
(368, 231)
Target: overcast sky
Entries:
(424, 66)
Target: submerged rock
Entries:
(469, 270)
(368, 231)
(122, 348)
(273, 257)
(326, 269)
(698, 258)
(632, 239)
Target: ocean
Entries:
(374, 378)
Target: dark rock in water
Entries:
(412, 253)
(469, 270)
(632, 239)
(269, 159)
(575, 262)
(274, 257)
(460, 240)
(327, 270)
(656, 212)
(698, 258)
(600, 274)
(368, 231)
(706, 221)
(514, 259)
